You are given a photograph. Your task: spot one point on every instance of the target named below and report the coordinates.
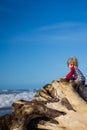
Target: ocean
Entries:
(7, 97)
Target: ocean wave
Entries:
(7, 97)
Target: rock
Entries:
(57, 106)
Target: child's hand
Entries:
(63, 79)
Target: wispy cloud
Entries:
(65, 25)
(63, 32)
(66, 30)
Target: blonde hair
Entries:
(72, 60)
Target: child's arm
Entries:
(70, 73)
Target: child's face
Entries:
(70, 65)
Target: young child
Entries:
(75, 73)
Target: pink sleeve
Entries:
(70, 73)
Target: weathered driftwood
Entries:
(57, 106)
(6, 122)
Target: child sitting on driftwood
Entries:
(75, 73)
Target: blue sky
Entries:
(36, 39)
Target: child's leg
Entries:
(79, 87)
